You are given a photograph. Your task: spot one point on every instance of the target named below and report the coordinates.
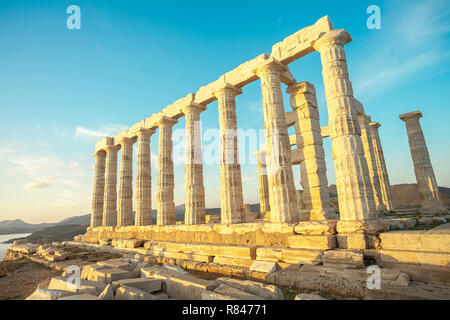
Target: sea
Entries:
(6, 237)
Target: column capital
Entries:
(193, 107)
(112, 148)
(270, 65)
(164, 121)
(301, 88)
(126, 140)
(375, 125)
(99, 153)
(226, 88)
(411, 115)
(332, 38)
(144, 132)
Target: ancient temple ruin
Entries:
(290, 232)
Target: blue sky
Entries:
(61, 89)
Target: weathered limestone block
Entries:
(353, 183)
(116, 263)
(144, 284)
(127, 243)
(110, 197)
(423, 258)
(308, 296)
(416, 241)
(86, 286)
(126, 292)
(99, 189)
(231, 198)
(247, 263)
(107, 293)
(353, 241)
(327, 241)
(105, 274)
(195, 191)
(48, 294)
(289, 255)
(143, 215)
(173, 268)
(315, 197)
(283, 200)
(426, 181)
(165, 182)
(343, 259)
(316, 227)
(226, 290)
(265, 291)
(381, 166)
(179, 255)
(82, 296)
(208, 295)
(263, 266)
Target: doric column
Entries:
(283, 202)
(231, 198)
(144, 179)
(99, 189)
(165, 205)
(125, 200)
(264, 202)
(193, 177)
(313, 171)
(110, 199)
(381, 165)
(355, 195)
(426, 181)
(369, 154)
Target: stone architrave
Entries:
(99, 189)
(165, 205)
(426, 181)
(195, 190)
(369, 154)
(313, 171)
(125, 200)
(231, 198)
(110, 198)
(283, 199)
(264, 202)
(144, 179)
(383, 176)
(355, 195)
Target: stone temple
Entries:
(293, 228)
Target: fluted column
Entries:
(99, 189)
(231, 198)
(165, 205)
(110, 198)
(355, 195)
(426, 181)
(283, 200)
(195, 191)
(264, 202)
(369, 154)
(381, 165)
(143, 179)
(313, 171)
(125, 200)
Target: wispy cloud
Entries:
(105, 131)
(37, 185)
(413, 39)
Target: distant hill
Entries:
(407, 195)
(55, 233)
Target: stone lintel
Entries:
(411, 115)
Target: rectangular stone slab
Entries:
(327, 241)
(290, 255)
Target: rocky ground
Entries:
(19, 279)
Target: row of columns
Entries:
(361, 176)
